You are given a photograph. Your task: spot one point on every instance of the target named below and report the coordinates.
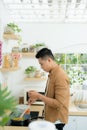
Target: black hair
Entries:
(44, 52)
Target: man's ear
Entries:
(49, 59)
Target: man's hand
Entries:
(33, 96)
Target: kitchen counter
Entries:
(14, 128)
(76, 111)
(73, 111)
(32, 108)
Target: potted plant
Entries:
(30, 71)
(7, 104)
(12, 28)
(39, 46)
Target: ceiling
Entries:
(60, 11)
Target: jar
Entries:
(6, 61)
(38, 74)
(32, 49)
(15, 59)
(24, 47)
(15, 62)
(21, 100)
(15, 49)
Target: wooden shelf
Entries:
(10, 36)
(9, 69)
(25, 54)
(35, 79)
(29, 54)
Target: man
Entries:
(56, 98)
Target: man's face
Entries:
(45, 64)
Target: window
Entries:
(75, 65)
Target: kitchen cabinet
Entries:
(76, 123)
(72, 123)
(82, 122)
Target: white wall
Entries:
(4, 17)
(58, 37)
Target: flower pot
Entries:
(31, 75)
(8, 30)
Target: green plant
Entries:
(59, 58)
(14, 27)
(76, 74)
(82, 58)
(38, 45)
(7, 103)
(30, 69)
(71, 58)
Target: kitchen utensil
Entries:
(24, 112)
(20, 117)
(27, 119)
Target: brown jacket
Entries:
(58, 89)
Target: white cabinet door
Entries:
(76, 123)
(72, 123)
(82, 123)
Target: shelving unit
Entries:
(6, 71)
(10, 37)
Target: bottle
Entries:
(6, 61)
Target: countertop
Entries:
(33, 108)
(73, 111)
(13, 128)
